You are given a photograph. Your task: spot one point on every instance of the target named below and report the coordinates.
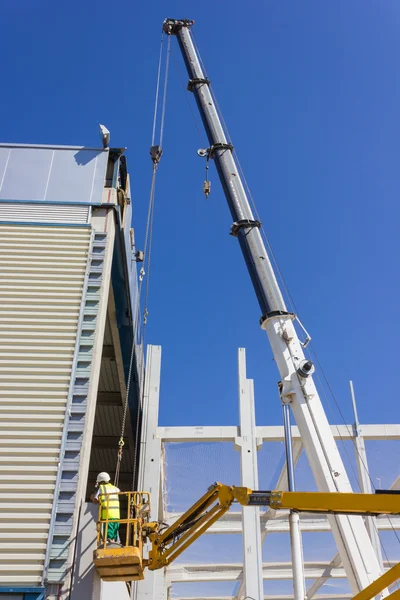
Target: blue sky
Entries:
(311, 94)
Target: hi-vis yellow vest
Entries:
(109, 501)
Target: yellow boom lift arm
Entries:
(126, 563)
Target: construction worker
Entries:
(107, 497)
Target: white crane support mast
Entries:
(297, 386)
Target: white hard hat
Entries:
(103, 477)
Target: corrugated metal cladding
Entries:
(59, 174)
(43, 213)
(42, 276)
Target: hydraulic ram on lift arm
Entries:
(126, 562)
(168, 544)
(296, 386)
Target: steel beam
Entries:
(231, 523)
(270, 433)
(234, 572)
(198, 434)
(327, 574)
(247, 445)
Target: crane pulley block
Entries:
(155, 154)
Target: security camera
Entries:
(202, 152)
(105, 135)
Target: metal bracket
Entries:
(244, 223)
(218, 146)
(196, 81)
(265, 498)
(276, 313)
(308, 336)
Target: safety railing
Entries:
(136, 507)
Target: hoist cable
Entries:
(145, 313)
(144, 272)
(164, 103)
(136, 324)
(157, 91)
(135, 341)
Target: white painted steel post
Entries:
(364, 478)
(297, 556)
(153, 587)
(248, 446)
(296, 546)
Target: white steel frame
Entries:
(254, 526)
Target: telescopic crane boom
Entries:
(296, 387)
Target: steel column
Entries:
(153, 587)
(296, 547)
(247, 444)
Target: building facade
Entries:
(68, 319)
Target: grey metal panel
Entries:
(52, 174)
(26, 174)
(43, 213)
(4, 156)
(77, 176)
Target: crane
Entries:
(127, 562)
(296, 388)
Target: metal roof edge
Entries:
(52, 147)
(61, 147)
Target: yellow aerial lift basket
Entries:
(123, 560)
(117, 562)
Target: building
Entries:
(69, 318)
